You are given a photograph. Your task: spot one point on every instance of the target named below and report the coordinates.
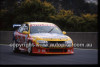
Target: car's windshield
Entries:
(45, 29)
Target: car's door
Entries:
(18, 35)
(25, 36)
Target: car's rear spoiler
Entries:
(16, 25)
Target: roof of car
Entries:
(38, 23)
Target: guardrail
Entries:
(79, 38)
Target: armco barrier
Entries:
(77, 37)
(84, 38)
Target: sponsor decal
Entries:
(42, 25)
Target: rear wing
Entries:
(16, 25)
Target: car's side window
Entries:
(26, 28)
(20, 29)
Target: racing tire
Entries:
(29, 50)
(15, 48)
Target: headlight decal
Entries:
(68, 43)
(43, 43)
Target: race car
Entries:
(41, 38)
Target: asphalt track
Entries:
(81, 56)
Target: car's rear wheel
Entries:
(29, 50)
(15, 47)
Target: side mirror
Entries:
(64, 32)
(25, 32)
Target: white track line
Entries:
(4, 44)
(84, 49)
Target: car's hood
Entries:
(50, 36)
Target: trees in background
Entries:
(36, 10)
(67, 20)
(77, 6)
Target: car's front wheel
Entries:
(15, 47)
(29, 50)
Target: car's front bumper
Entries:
(39, 50)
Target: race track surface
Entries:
(81, 56)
